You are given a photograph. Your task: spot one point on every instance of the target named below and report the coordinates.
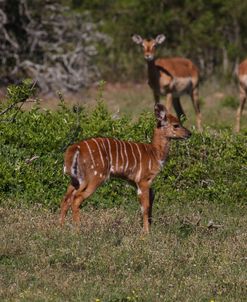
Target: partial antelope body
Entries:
(242, 78)
(171, 77)
(91, 162)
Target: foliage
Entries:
(66, 44)
(208, 167)
(211, 33)
(20, 93)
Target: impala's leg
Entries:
(242, 99)
(178, 108)
(66, 203)
(169, 102)
(195, 101)
(143, 194)
(81, 194)
(156, 98)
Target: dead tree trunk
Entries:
(49, 43)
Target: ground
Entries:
(195, 252)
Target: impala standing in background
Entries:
(90, 163)
(242, 79)
(171, 77)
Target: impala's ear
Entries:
(161, 114)
(137, 39)
(160, 39)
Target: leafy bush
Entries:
(208, 167)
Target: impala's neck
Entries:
(161, 144)
(153, 74)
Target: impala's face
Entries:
(149, 49)
(149, 46)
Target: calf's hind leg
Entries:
(66, 203)
(69, 197)
(81, 194)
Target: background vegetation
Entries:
(70, 44)
(211, 33)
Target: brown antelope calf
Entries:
(89, 163)
(242, 79)
(171, 77)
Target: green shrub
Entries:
(207, 167)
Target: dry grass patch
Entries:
(185, 257)
(132, 99)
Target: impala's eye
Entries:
(176, 126)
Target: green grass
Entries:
(183, 259)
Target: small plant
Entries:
(17, 95)
(230, 102)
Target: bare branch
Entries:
(8, 108)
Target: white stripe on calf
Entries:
(101, 157)
(106, 153)
(74, 166)
(121, 154)
(145, 147)
(138, 176)
(109, 145)
(116, 144)
(103, 144)
(127, 158)
(90, 152)
(133, 153)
